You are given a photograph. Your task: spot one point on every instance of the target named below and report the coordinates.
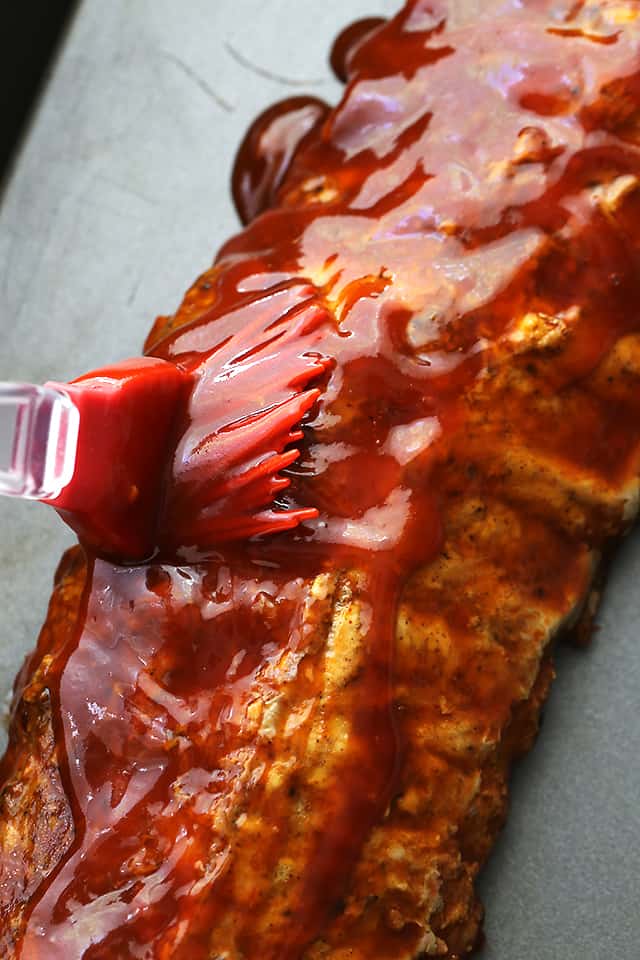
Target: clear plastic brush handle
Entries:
(38, 440)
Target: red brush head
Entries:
(127, 417)
(169, 459)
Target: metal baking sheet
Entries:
(119, 198)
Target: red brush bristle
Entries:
(252, 393)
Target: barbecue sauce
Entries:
(397, 237)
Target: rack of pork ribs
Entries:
(298, 745)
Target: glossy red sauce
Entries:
(347, 42)
(399, 237)
(267, 150)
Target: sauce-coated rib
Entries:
(298, 749)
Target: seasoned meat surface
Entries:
(299, 747)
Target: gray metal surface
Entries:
(119, 198)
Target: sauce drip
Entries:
(347, 43)
(413, 224)
(266, 152)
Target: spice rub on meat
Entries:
(299, 747)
